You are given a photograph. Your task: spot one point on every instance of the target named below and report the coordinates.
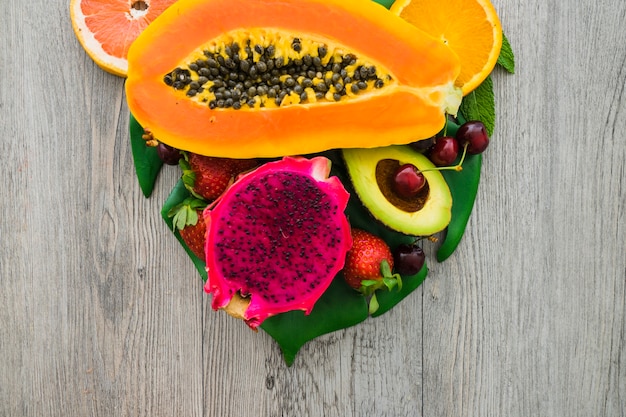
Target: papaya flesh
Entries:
(266, 78)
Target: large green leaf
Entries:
(339, 307)
(480, 105)
(463, 187)
(178, 194)
(147, 162)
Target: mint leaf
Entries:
(506, 59)
(480, 105)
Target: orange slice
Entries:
(106, 28)
(471, 28)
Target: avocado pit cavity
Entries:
(385, 172)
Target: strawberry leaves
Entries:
(190, 226)
(189, 175)
(186, 213)
(176, 197)
(389, 281)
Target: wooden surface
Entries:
(102, 314)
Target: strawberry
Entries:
(368, 266)
(208, 177)
(189, 221)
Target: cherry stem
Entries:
(457, 167)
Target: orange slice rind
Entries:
(471, 28)
(106, 28)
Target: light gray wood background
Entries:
(102, 314)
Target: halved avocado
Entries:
(372, 172)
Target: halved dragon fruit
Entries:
(276, 239)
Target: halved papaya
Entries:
(265, 78)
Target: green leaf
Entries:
(186, 213)
(506, 59)
(189, 176)
(373, 307)
(385, 269)
(390, 283)
(338, 308)
(180, 219)
(176, 197)
(480, 105)
(147, 161)
(369, 282)
(192, 216)
(463, 187)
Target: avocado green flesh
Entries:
(435, 213)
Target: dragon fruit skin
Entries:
(277, 236)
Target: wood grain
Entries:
(102, 314)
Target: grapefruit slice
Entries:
(471, 28)
(106, 28)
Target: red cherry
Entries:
(408, 259)
(168, 154)
(445, 151)
(475, 135)
(408, 181)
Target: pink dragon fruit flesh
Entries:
(276, 239)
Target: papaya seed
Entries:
(259, 71)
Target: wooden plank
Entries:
(531, 308)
